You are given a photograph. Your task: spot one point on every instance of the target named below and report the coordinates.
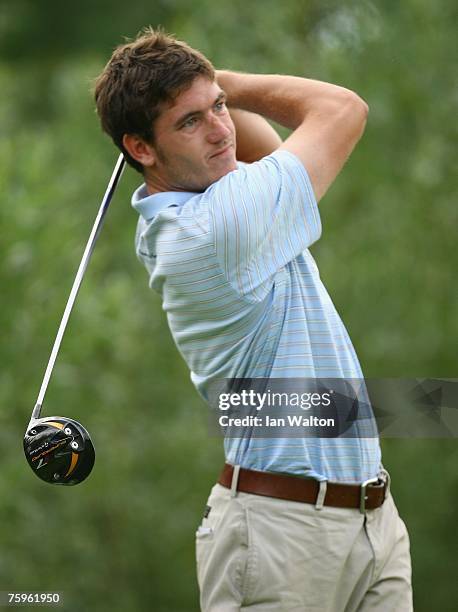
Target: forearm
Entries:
(285, 99)
(255, 137)
(326, 120)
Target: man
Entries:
(292, 523)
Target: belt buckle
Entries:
(363, 496)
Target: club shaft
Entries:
(117, 172)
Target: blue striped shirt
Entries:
(244, 299)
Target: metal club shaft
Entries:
(117, 172)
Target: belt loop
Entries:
(235, 480)
(321, 495)
(387, 481)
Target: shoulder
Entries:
(265, 175)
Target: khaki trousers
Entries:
(263, 554)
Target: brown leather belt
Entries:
(367, 496)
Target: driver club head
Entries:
(59, 450)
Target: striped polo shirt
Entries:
(244, 299)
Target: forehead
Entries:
(198, 97)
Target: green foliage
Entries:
(124, 539)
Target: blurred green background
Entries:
(124, 539)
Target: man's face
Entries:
(194, 140)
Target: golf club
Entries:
(59, 449)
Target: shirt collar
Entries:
(148, 206)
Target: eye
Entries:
(189, 122)
(220, 106)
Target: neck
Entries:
(156, 184)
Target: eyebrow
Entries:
(222, 95)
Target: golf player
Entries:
(227, 213)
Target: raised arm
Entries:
(327, 120)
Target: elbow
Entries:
(361, 104)
(348, 109)
(354, 112)
(354, 104)
(358, 108)
(363, 110)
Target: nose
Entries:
(218, 129)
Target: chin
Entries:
(215, 176)
(223, 173)
(229, 168)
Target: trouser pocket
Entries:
(221, 552)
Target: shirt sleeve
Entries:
(263, 215)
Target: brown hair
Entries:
(139, 78)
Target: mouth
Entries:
(221, 152)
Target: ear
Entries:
(140, 150)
